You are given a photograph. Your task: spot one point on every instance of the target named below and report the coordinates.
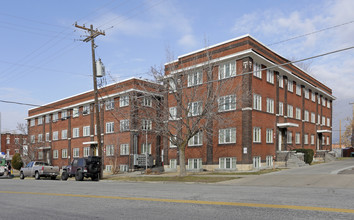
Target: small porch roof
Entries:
(324, 131)
(89, 142)
(286, 125)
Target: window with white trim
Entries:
(76, 152)
(110, 150)
(227, 163)
(172, 141)
(147, 101)
(290, 86)
(270, 76)
(281, 108)
(55, 116)
(290, 111)
(108, 168)
(17, 140)
(269, 135)
(297, 138)
(145, 148)
(195, 164)
(47, 137)
(24, 140)
(55, 135)
(64, 134)
(269, 161)
(328, 104)
(323, 120)
(75, 112)
(270, 105)
(196, 140)
(47, 118)
(281, 81)
(306, 139)
(172, 85)
(86, 131)
(86, 110)
(313, 96)
(146, 124)
(195, 78)
(40, 120)
(123, 168)
(313, 117)
(109, 127)
(227, 70)
(109, 103)
(328, 122)
(64, 114)
(319, 119)
(323, 140)
(173, 113)
(124, 101)
(318, 99)
(289, 137)
(40, 138)
(32, 122)
(312, 139)
(257, 72)
(298, 113)
(257, 163)
(173, 163)
(227, 103)
(298, 89)
(306, 93)
(86, 151)
(306, 115)
(323, 101)
(76, 132)
(195, 108)
(124, 149)
(256, 135)
(124, 125)
(257, 102)
(64, 153)
(227, 136)
(40, 155)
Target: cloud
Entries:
(188, 40)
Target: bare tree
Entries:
(27, 151)
(347, 137)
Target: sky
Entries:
(43, 59)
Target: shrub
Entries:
(308, 154)
(16, 162)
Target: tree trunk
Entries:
(182, 163)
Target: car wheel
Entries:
(94, 177)
(79, 176)
(22, 176)
(53, 177)
(36, 176)
(64, 176)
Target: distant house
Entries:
(13, 143)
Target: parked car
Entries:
(38, 169)
(3, 167)
(89, 167)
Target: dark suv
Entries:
(83, 167)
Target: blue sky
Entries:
(42, 60)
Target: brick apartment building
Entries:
(13, 143)
(267, 109)
(66, 129)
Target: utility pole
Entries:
(352, 125)
(93, 35)
(340, 133)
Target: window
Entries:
(227, 103)
(64, 153)
(257, 162)
(290, 86)
(227, 163)
(40, 138)
(196, 140)
(312, 139)
(86, 110)
(269, 161)
(33, 139)
(172, 141)
(270, 105)
(281, 82)
(76, 152)
(257, 70)
(55, 135)
(32, 122)
(298, 89)
(195, 78)
(313, 97)
(318, 99)
(323, 140)
(147, 101)
(86, 131)
(40, 120)
(76, 112)
(109, 104)
(25, 150)
(281, 108)
(123, 168)
(144, 149)
(318, 119)
(328, 104)
(323, 101)
(64, 134)
(306, 139)
(109, 150)
(289, 138)
(323, 120)
(257, 102)
(256, 135)
(172, 85)
(270, 76)
(328, 122)
(109, 127)
(108, 168)
(8, 139)
(227, 70)
(64, 114)
(17, 140)
(290, 111)
(55, 154)
(307, 93)
(194, 164)
(40, 155)
(146, 124)
(195, 108)
(24, 140)
(297, 138)
(124, 125)
(173, 164)
(76, 132)
(124, 101)
(47, 118)
(313, 117)
(327, 140)
(227, 136)
(47, 137)
(306, 116)
(298, 113)
(173, 113)
(124, 149)
(269, 136)
(55, 116)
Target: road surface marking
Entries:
(257, 205)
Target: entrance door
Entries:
(280, 141)
(48, 157)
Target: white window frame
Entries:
(64, 114)
(55, 116)
(297, 138)
(298, 89)
(227, 136)
(323, 102)
(40, 138)
(55, 154)
(64, 134)
(40, 120)
(123, 100)
(76, 132)
(173, 113)
(172, 85)
(269, 136)
(306, 93)
(108, 168)
(124, 149)
(257, 132)
(313, 117)
(195, 108)
(146, 124)
(313, 96)
(86, 109)
(47, 118)
(76, 112)
(290, 111)
(76, 152)
(298, 113)
(328, 104)
(171, 142)
(109, 104)
(306, 139)
(123, 168)
(281, 81)
(55, 136)
(306, 116)
(143, 148)
(227, 163)
(257, 102)
(328, 122)
(257, 70)
(47, 137)
(323, 120)
(124, 125)
(86, 151)
(327, 139)
(270, 76)
(32, 122)
(289, 137)
(109, 127)
(312, 139)
(173, 163)
(64, 153)
(110, 150)
(227, 103)
(147, 101)
(195, 164)
(196, 140)
(40, 155)
(227, 69)
(290, 86)
(86, 131)
(195, 78)
(270, 105)
(281, 108)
